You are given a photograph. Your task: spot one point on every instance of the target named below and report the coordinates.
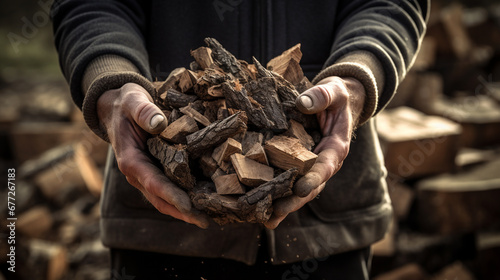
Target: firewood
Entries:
(177, 131)
(174, 115)
(225, 150)
(210, 78)
(264, 92)
(286, 152)
(228, 184)
(287, 65)
(212, 109)
(175, 99)
(216, 133)
(47, 260)
(278, 187)
(227, 167)
(250, 139)
(258, 154)
(187, 80)
(237, 98)
(190, 111)
(174, 160)
(415, 144)
(171, 81)
(35, 222)
(226, 60)
(223, 209)
(303, 85)
(250, 172)
(203, 57)
(208, 164)
(285, 89)
(90, 173)
(297, 130)
(215, 91)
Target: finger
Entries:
(284, 206)
(320, 97)
(143, 111)
(137, 167)
(197, 218)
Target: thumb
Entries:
(315, 100)
(144, 112)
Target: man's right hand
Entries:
(129, 116)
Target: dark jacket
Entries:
(121, 41)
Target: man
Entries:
(357, 51)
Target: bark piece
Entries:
(212, 109)
(175, 99)
(250, 172)
(287, 65)
(223, 209)
(237, 98)
(297, 130)
(286, 91)
(177, 131)
(216, 133)
(304, 85)
(258, 154)
(280, 186)
(228, 184)
(210, 78)
(171, 81)
(226, 60)
(264, 92)
(224, 151)
(203, 57)
(190, 111)
(286, 152)
(187, 80)
(174, 160)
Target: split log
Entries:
(264, 92)
(228, 184)
(226, 60)
(187, 80)
(286, 152)
(415, 144)
(174, 160)
(224, 151)
(175, 99)
(250, 172)
(35, 222)
(287, 65)
(46, 260)
(203, 57)
(171, 81)
(208, 164)
(257, 153)
(190, 111)
(216, 133)
(297, 130)
(250, 139)
(177, 131)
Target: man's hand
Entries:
(338, 102)
(129, 116)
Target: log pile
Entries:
(235, 141)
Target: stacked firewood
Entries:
(235, 140)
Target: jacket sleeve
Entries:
(101, 46)
(376, 41)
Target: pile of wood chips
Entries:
(235, 140)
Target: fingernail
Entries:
(156, 120)
(306, 101)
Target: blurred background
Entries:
(440, 137)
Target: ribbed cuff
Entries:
(102, 74)
(366, 68)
